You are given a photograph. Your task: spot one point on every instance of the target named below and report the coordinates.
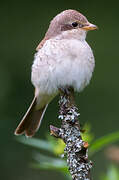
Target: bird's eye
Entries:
(74, 24)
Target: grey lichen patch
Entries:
(76, 152)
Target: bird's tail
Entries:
(31, 121)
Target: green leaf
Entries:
(112, 174)
(103, 141)
(58, 145)
(36, 143)
(87, 135)
(49, 163)
(48, 166)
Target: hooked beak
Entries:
(89, 27)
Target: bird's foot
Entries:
(66, 90)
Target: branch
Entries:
(70, 132)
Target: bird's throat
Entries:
(78, 34)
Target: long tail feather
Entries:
(31, 121)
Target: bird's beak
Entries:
(89, 27)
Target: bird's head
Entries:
(69, 24)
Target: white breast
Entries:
(60, 63)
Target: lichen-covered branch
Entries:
(70, 132)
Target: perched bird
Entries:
(63, 58)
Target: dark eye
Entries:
(74, 24)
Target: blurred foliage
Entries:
(56, 160)
(111, 174)
(87, 135)
(100, 143)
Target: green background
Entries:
(22, 26)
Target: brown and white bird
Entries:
(63, 58)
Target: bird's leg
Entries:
(65, 90)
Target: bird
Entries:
(63, 58)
